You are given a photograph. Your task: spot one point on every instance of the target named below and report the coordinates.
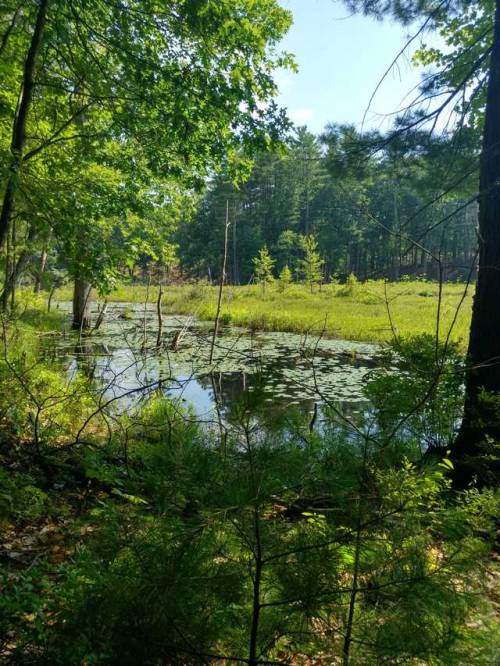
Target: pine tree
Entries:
(311, 266)
(474, 452)
(264, 265)
(285, 278)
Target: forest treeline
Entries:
(376, 206)
(97, 188)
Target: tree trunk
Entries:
(10, 284)
(221, 285)
(82, 302)
(51, 295)
(159, 336)
(15, 274)
(19, 129)
(396, 252)
(7, 33)
(481, 422)
(16, 267)
(40, 271)
(4, 299)
(236, 272)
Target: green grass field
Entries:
(359, 312)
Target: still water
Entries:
(273, 373)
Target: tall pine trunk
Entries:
(481, 422)
(19, 128)
(82, 305)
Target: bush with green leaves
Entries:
(264, 548)
(263, 545)
(417, 392)
(40, 403)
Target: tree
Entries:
(179, 89)
(264, 265)
(285, 278)
(481, 423)
(20, 119)
(288, 248)
(311, 266)
(470, 71)
(369, 207)
(310, 173)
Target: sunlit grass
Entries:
(31, 313)
(370, 311)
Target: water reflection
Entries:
(270, 374)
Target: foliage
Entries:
(285, 278)
(466, 37)
(142, 535)
(311, 266)
(154, 99)
(157, 538)
(169, 561)
(264, 265)
(351, 286)
(42, 404)
(376, 207)
(425, 397)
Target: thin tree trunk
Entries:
(257, 581)
(17, 270)
(7, 274)
(49, 300)
(346, 648)
(160, 318)
(221, 285)
(10, 28)
(481, 423)
(396, 260)
(236, 272)
(145, 320)
(82, 302)
(218, 402)
(19, 129)
(16, 273)
(102, 314)
(40, 271)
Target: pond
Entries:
(271, 373)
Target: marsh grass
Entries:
(32, 318)
(358, 313)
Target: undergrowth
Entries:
(157, 540)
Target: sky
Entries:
(341, 60)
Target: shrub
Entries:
(350, 287)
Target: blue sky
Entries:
(341, 59)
